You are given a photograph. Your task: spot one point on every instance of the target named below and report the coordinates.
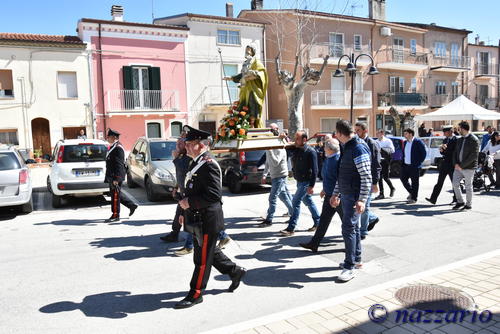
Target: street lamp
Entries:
(351, 68)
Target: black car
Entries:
(239, 168)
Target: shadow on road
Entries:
(119, 304)
(94, 222)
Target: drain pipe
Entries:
(101, 79)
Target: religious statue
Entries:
(253, 86)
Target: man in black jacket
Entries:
(446, 167)
(204, 217)
(305, 170)
(115, 175)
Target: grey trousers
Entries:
(468, 176)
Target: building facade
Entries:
(215, 48)
(44, 90)
(139, 77)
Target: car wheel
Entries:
(56, 201)
(150, 193)
(130, 182)
(234, 184)
(27, 207)
(395, 169)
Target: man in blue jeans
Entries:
(305, 170)
(352, 190)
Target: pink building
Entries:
(138, 77)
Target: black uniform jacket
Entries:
(115, 163)
(451, 143)
(204, 194)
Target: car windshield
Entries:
(84, 153)
(8, 161)
(436, 142)
(162, 150)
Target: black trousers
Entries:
(176, 226)
(443, 173)
(409, 172)
(117, 197)
(327, 213)
(205, 255)
(384, 176)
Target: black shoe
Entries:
(237, 279)
(188, 302)
(265, 223)
(363, 237)
(132, 210)
(111, 219)
(392, 192)
(309, 246)
(458, 206)
(380, 196)
(467, 207)
(372, 224)
(430, 200)
(171, 237)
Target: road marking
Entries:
(261, 321)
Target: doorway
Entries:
(40, 130)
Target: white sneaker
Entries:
(346, 275)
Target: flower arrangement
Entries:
(235, 124)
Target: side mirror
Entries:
(139, 157)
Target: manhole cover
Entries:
(433, 297)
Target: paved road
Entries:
(66, 270)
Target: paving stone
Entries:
(324, 314)
(455, 329)
(250, 331)
(384, 295)
(477, 277)
(360, 315)
(397, 330)
(338, 310)
(262, 330)
(296, 322)
(484, 286)
(280, 327)
(484, 302)
(371, 327)
(319, 328)
(351, 306)
(305, 330)
(462, 281)
(362, 302)
(472, 291)
(335, 324)
(310, 318)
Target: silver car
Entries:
(150, 165)
(15, 180)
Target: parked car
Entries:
(397, 158)
(433, 144)
(77, 169)
(15, 180)
(150, 165)
(238, 168)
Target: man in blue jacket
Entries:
(305, 170)
(414, 153)
(329, 172)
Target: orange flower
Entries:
(223, 133)
(232, 133)
(230, 111)
(231, 123)
(245, 108)
(241, 132)
(242, 113)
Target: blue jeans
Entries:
(301, 195)
(367, 216)
(188, 243)
(279, 189)
(350, 231)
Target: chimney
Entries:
(476, 40)
(229, 9)
(117, 13)
(257, 4)
(376, 9)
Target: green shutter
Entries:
(127, 77)
(154, 78)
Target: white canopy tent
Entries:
(460, 109)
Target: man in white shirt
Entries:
(386, 151)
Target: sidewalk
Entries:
(477, 278)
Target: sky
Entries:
(60, 17)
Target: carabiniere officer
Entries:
(204, 217)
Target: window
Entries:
(9, 136)
(66, 85)
(413, 85)
(137, 147)
(358, 83)
(336, 44)
(231, 37)
(230, 70)
(413, 46)
(454, 89)
(84, 153)
(154, 130)
(396, 84)
(357, 42)
(142, 87)
(439, 49)
(162, 150)
(6, 85)
(398, 50)
(328, 124)
(338, 83)
(440, 87)
(175, 129)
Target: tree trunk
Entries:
(295, 97)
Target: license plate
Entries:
(87, 173)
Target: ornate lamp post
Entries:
(351, 68)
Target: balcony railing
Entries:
(341, 98)
(450, 62)
(402, 57)
(487, 102)
(486, 69)
(336, 50)
(402, 99)
(439, 100)
(143, 100)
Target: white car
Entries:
(77, 168)
(15, 180)
(433, 143)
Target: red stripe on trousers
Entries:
(115, 202)
(202, 266)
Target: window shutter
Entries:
(154, 78)
(127, 77)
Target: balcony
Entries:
(335, 51)
(489, 103)
(486, 70)
(439, 100)
(395, 59)
(415, 100)
(139, 101)
(340, 99)
(453, 64)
